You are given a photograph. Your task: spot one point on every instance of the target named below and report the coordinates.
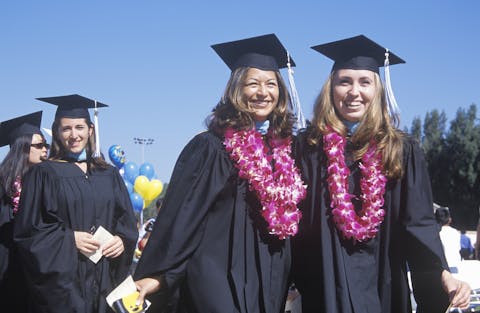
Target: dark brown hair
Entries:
(58, 151)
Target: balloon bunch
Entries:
(141, 183)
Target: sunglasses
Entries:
(40, 145)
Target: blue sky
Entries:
(151, 61)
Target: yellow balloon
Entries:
(155, 188)
(141, 185)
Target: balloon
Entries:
(129, 186)
(131, 171)
(117, 155)
(154, 189)
(137, 202)
(141, 185)
(147, 169)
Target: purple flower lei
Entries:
(279, 190)
(364, 225)
(17, 186)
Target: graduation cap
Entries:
(267, 53)
(73, 106)
(362, 53)
(263, 52)
(357, 53)
(76, 106)
(23, 125)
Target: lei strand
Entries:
(364, 225)
(17, 186)
(279, 190)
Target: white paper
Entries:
(126, 288)
(103, 236)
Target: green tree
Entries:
(433, 143)
(462, 150)
(416, 129)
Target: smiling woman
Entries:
(65, 198)
(368, 218)
(261, 92)
(353, 91)
(228, 214)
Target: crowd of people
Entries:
(342, 209)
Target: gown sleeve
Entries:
(424, 252)
(46, 247)
(125, 227)
(201, 172)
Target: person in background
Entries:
(368, 216)
(450, 238)
(147, 227)
(64, 201)
(221, 240)
(27, 147)
(466, 248)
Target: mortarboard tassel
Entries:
(393, 109)
(300, 123)
(96, 154)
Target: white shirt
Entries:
(451, 245)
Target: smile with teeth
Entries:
(353, 105)
(260, 103)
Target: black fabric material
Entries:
(336, 276)
(264, 52)
(12, 280)
(209, 243)
(57, 199)
(73, 106)
(358, 53)
(20, 126)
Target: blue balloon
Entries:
(131, 172)
(129, 186)
(146, 169)
(137, 202)
(117, 156)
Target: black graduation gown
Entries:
(57, 199)
(209, 242)
(335, 276)
(12, 281)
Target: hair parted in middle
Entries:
(58, 150)
(375, 124)
(232, 111)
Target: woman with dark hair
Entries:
(27, 147)
(220, 242)
(66, 199)
(368, 216)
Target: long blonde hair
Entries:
(375, 124)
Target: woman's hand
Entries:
(458, 291)
(113, 248)
(85, 243)
(147, 286)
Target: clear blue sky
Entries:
(151, 61)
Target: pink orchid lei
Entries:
(17, 186)
(364, 225)
(279, 190)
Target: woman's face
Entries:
(260, 92)
(74, 134)
(353, 91)
(38, 150)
